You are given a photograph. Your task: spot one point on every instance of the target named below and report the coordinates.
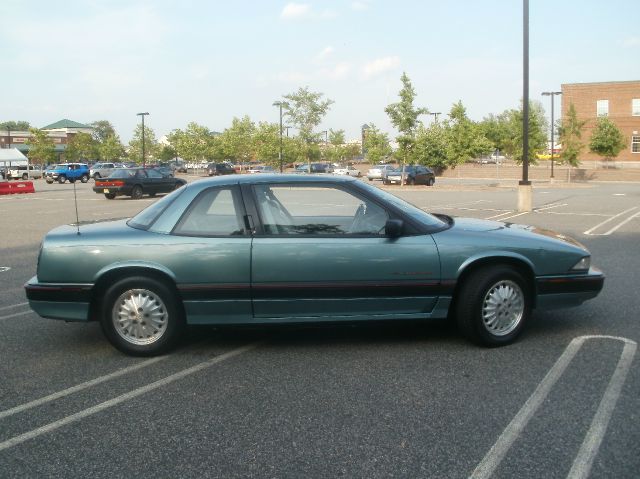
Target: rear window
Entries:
(145, 219)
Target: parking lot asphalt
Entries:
(374, 400)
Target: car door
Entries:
(157, 183)
(320, 252)
(211, 256)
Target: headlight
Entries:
(583, 264)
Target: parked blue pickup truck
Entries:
(67, 171)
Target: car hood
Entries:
(513, 231)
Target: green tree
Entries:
(464, 138)
(404, 116)
(538, 128)
(150, 145)
(336, 148)
(305, 109)
(15, 125)
(266, 143)
(497, 129)
(606, 140)
(111, 149)
(376, 144)
(167, 153)
(41, 147)
(102, 129)
(570, 136)
(431, 146)
(237, 140)
(81, 147)
(193, 144)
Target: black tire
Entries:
(110, 196)
(411, 181)
(72, 180)
(481, 299)
(84, 178)
(62, 179)
(154, 328)
(25, 176)
(136, 192)
(96, 176)
(152, 195)
(430, 182)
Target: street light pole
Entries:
(143, 115)
(552, 94)
(279, 104)
(525, 199)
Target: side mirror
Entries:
(393, 228)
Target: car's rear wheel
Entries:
(493, 305)
(62, 179)
(96, 176)
(136, 192)
(84, 178)
(141, 316)
(110, 196)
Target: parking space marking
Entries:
(52, 426)
(13, 306)
(591, 231)
(79, 387)
(16, 314)
(593, 439)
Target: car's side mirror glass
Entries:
(393, 228)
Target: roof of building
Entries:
(65, 124)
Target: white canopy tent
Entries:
(11, 157)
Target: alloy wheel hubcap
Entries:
(503, 308)
(140, 317)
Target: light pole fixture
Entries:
(435, 115)
(279, 104)
(143, 115)
(552, 94)
(287, 128)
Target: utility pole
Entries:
(552, 94)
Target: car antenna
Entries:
(75, 199)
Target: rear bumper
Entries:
(567, 291)
(69, 302)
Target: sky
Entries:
(210, 61)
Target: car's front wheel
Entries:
(430, 182)
(25, 176)
(141, 316)
(110, 196)
(493, 305)
(62, 179)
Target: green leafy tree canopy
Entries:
(606, 140)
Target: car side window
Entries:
(216, 212)
(154, 174)
(317, 210)
(141, 174)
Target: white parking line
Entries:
(13, 306)
(16, 314)
(591, 231)
(593, 439)
(14, 441)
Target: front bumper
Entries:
(568, 290)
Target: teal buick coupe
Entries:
(260, 249)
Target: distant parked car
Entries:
(136, 182)
(413, 175)
(347, 170)
(262, 169)
(379, 172)
(21, 173)
(102, 170)
(216, 169)
(67, 171)
(315, 168)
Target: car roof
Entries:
(271, 178)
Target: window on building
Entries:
(635, 144)
(602, 108)
(635, 107)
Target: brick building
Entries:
(620, 101)
(60, 132)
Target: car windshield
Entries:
(413, 211)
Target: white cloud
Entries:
(360, 6)
(338, 71)
(631, 42)
(381, 65)
(325, 53)
(295, 10)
